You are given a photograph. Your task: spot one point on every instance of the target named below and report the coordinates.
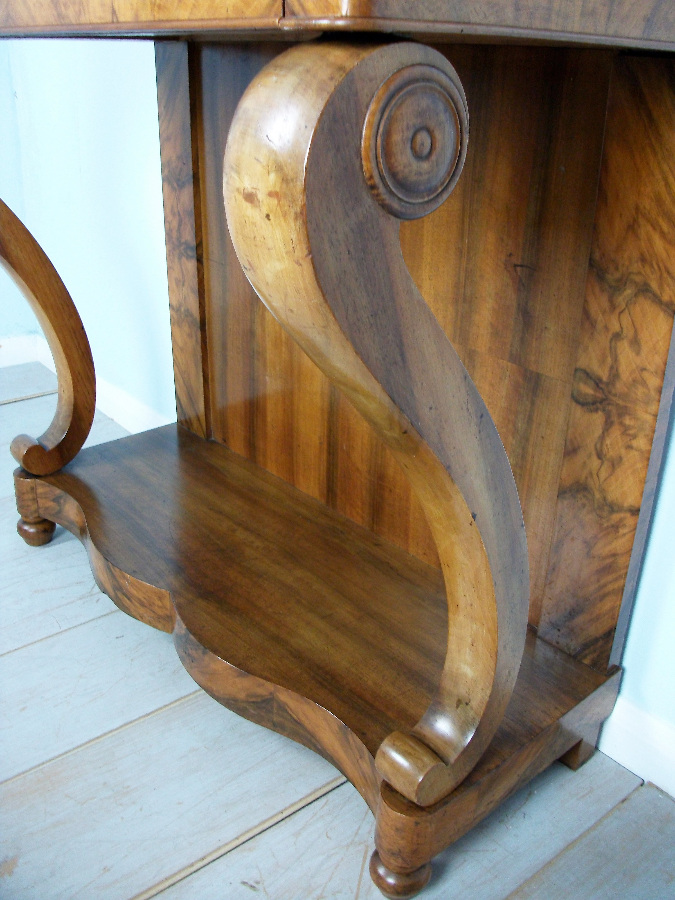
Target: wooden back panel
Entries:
(623, 344)
(504, 267)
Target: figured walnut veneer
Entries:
(124, 17)
(297, 618)
(605, 495)
(633, 23)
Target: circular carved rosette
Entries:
(414, 140)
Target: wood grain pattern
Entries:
(27, 264)
(646, 23)
(23, 17)
(283, 711)
(502, 261)
(33, 528)
(182, 228)
(633, 23)
(145, 602)
(408, 836)
(338, 284)
(213, 538)
(623, 348)
(31, 415)
(294, 597)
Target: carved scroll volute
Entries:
(27, 264)
(330, 145)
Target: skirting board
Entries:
(641, 743)
(116, 403)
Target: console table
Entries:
(401, 516)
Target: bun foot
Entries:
(36, 532)
(395, 884)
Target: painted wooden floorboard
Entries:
(32, 417)
(323, 850)
(67, 689)
(60, 592)
(43, 590)
(25, 380)
(128, 811)
(629, 854)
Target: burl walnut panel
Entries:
(180, 190)
(623, 349)
(502, 265)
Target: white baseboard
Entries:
(126, 410)
(114, 402)
(642, 743)
(25, 348)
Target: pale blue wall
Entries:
(649, 658)
(80, 166)
(15, 315)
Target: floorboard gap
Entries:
(101, 737)
(577, 840)
(243, 838)
(48, 637)
(27, 397)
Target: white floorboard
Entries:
(319, 851)
(130, 810)
(43, 590)
(70, 688)
(630, 854)
(26, 380)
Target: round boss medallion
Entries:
(414, 140)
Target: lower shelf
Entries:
(294, 616)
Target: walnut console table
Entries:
(402, 514)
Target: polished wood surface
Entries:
(25, 17)
(502, 264)
(215, 540)
(408, 835)
(180, 189)
(28, 266)
(312, 237)
(632, 23)
(300, 620)
(636, 23)
(33, 528)
(398, 884)
(306, 613)
(619, 372)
